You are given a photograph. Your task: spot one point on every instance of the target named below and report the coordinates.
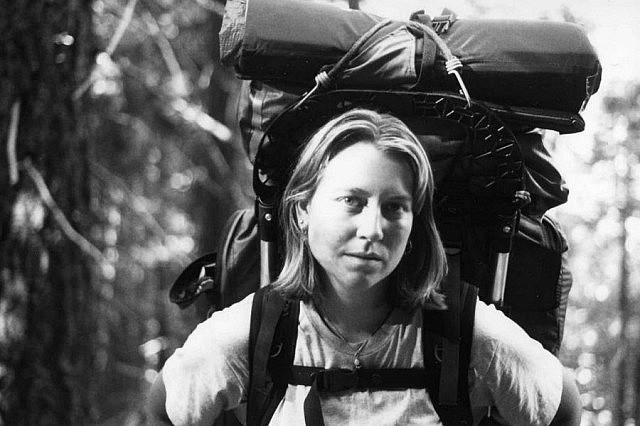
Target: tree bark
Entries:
(46, 295)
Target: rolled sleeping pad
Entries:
(536, 65)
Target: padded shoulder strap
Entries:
(449, 390)
(272, 337)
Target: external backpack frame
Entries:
(483, 191)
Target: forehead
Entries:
(363, 165)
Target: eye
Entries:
(396, 209)
(351, 202)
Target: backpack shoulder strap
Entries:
(272, 339)
(447, 337)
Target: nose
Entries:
(370, 224)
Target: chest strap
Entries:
(337, 380)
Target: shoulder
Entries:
(492, 328)
(227, 328)
(225, 332)
(495, 335)
(210, 371)
(511, 370)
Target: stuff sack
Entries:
(539, 65)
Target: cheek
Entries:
(326, 235)
(401, 234)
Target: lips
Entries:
(366, 256)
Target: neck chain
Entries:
(359, 347)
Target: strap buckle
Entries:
(336, 380)
(442, 23)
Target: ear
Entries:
(302, 214)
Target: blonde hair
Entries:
(416, 280)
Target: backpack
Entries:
(491, 154)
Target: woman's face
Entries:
(360, 217)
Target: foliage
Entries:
(167, 174)
(603, 318)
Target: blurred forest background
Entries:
(121, 160)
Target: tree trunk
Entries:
(46, 295)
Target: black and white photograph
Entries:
(319, 212)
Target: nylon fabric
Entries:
(448, 392)
(538, 64)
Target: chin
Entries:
(362, 282)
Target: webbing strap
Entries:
(337, 380)
(312, 407)
(272, 309)
(324, 79)
(455, 408)
(267, 310)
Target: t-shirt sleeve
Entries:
(209, 373)
(511, 371)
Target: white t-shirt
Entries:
(508, 370)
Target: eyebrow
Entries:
(395, 196)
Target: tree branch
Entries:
(189, 112)
(195, 115)
(166, 50)
(11, 143)
(59, 216)
(137, 204)
(122, 27)
(111, 47)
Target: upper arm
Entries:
(156, 411)
(210, 372)
(569, 411)
(513, 372)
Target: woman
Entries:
(364, 257)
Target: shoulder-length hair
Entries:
(416, 280)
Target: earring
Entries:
(409, 248)
(302, 225)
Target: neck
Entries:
(355, 316)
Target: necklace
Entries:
(359, 346)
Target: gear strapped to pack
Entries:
(446, 345)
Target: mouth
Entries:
(366, 256)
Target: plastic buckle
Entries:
(442, 23)
(337, 380)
